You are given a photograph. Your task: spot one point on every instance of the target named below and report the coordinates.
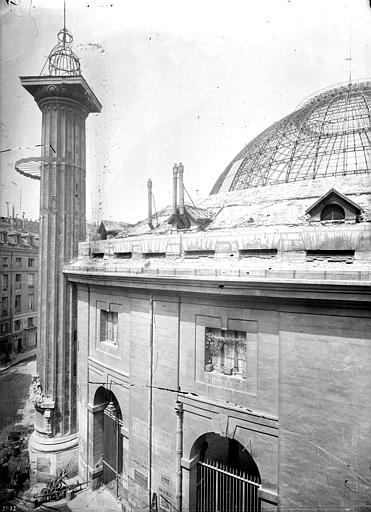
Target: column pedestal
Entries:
(49, 454)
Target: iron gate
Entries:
(112, 450)
(221, 488)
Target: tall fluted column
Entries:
(65, 103)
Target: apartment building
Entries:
(19, 245)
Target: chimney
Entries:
(7, 209)
(181, 189)
(13, 212)
(23, 214)
(149, 185)
(175, 193)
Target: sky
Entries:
(189, 81)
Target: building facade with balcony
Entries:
(19, 245)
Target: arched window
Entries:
(333, 212)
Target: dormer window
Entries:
(333, 212)
(334, 207)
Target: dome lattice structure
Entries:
(328, 135)
(62, 61)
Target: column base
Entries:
(49, 454)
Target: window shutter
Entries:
(103, 325)
(114, 326)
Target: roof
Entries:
(283, 204)
(112, 227)
(327, 136)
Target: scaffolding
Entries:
(329, 134)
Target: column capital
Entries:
(62, 88)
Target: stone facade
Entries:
(233, 350)
(301, 412)
(19, 285)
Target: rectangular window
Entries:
(334, 256)
(18, 262)
(123, 255)
(5, 282)
(4, 306)
(258, 253)
(31, 262)
(18, 281)
(154, 255)
(31, 302)
(17, 304)
(2, 237)
(199, 254)
(17, 325)
(108, 326)
(30, 322)
(31, 279)
(225, 351)
(4, 329)
(5, 261)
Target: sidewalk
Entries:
(20, 357)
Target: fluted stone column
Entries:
(65, 103)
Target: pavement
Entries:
(94, 501)
(19, 358)
(100, 500)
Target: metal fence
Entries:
(224, 489)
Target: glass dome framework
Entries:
(328, 135)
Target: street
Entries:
(15, 407)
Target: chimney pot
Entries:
(175, 191)
(149, 185)
(181, 189)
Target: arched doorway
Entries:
(226, 477)
(108, 439)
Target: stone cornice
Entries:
(288, 290)
(74, 88)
